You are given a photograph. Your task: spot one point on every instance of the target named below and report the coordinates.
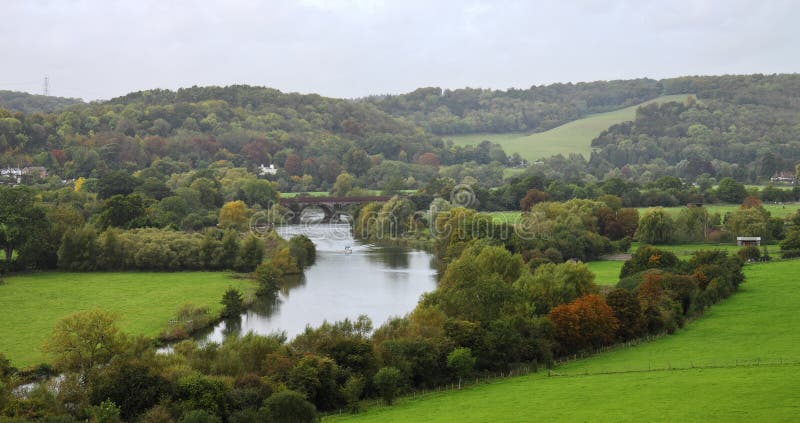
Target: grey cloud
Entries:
(100, 48)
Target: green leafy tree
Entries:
(290, 407)
(251, 253)
(21, 219)
(122, 211)
(628, 313)
(269, 278)
(731, 191)
(387, 382)
(79, 250)
(199, 416)
(232, 302)
(116, 182)
(110, 250)
(229, 250)
(478, 286)
(203, 393)
(261, 192)
(692, 224)
(648, 257)
(357, 161)
(554, 284)
(209, 191)
(303, 250)
(133, 387)
(752, 221)
(233, 215)
(210, 250)
(343, 185)
(790, 246)
(656, 227)
(105, 412)
(461, 361)
(85, 340)
(351, 391)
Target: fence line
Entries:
(729, 365)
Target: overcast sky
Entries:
(97, 49)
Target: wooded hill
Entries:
(746, 127)
(742, 126)
(31, 103)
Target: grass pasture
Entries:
(775, 210)
(31, 304)
(739, 362)
(572, 137)
(606, 272)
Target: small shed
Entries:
(744, 241)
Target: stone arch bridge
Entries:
(331, 206)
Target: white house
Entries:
(784, 177)
(263, 170)
(11, 173)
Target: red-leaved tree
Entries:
(588, 322)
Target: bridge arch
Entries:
(331, 206)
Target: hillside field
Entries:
(31, 304)
(739, 362)
(572, 137)
(775, 210)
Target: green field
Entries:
(758, 325)
(31, 304)
(506, 216)
(312, 194)
(683, 251)
(776, 210)
(606, 272)
(572, 137)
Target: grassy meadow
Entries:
(31, 304)
(606, 272)
(572, 137)
(775, 210)
(705, 372)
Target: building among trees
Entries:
(745, 241)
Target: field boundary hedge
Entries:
(722, 365)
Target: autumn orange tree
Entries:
(587, 322)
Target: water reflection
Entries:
(380, 282)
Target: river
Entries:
(378, 281)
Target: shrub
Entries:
(199, 416)
(628, 313)
(387, 382)
(269, 278)
(790, 246)
(749, 253)
(233, 303)
(288, 406)
(302, 249)
(251, 254)
(648, 257)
